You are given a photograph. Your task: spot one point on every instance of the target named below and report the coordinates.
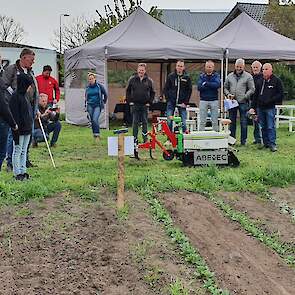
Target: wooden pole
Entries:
(121, 172)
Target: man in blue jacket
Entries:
(208, 85)
(178, 90)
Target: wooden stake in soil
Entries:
(121, 168)
(121, 172)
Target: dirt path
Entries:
(241, 264)
(264, 212)
(67, 246)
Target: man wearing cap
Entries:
(48, 85)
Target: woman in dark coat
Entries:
(22, 112)
(6, 121)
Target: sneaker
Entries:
(34, 144)
(26, 176)
(19, 177)
(53, 145)
(256, 142)
(273, 148)
(9, 168)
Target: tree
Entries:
(113, 16)
(10, 30)
(282, 17)
(74, 34)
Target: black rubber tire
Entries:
(170, 157)
(188, 159)
(233, 160)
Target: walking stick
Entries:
(45, 138)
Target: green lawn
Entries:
(83, 165)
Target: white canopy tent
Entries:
(138, 37)
(246, 38)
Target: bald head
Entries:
(267, 70)
(256, 67)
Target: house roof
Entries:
(18, 45)
(195, 24)
(255, 10)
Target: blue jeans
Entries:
(94, 113)
(19, 156)
(257, 132)
(242, 108)
(170, 112)
(54, 127)
(266, 119)
(9, 148)
(3, 140)
(213, 105)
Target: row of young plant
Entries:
(187, 250)
(285, 250)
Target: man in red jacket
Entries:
(48, 85)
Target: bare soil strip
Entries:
(66, 246)
(266, 214)
(241, 263)
(284, 195)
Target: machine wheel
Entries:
(170, 157)
(188, 159)
(232, 159)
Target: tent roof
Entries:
(246, 38)
(140, 36)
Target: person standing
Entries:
(140, 94)
(268, 93)
(208, 85)
(22, 111)
(178, 90)
(95, 99)
(6, 121)
(48, 85)
(239, 86)
(256, 74)
(22, 65)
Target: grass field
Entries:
(168, 193)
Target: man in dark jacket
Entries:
(23, 65)
(178, 90)
(140, 94)
(6, 121)
(256, 68)
(268, 93)
(208, 85)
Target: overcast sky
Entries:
(40, 18)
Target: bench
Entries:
(284, 118)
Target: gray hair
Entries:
(240, 61)
(256, 62)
